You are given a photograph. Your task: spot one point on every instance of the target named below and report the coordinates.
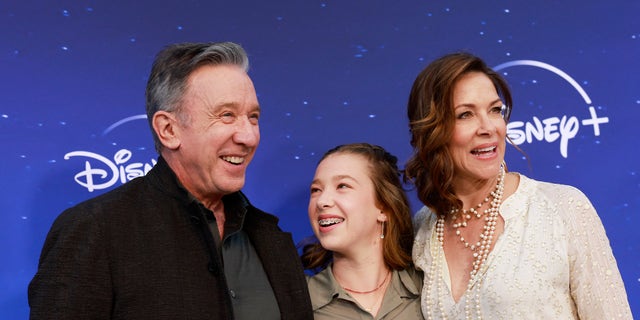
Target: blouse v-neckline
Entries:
(507, 212)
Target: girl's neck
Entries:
(363, 274)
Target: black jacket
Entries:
(144, 251)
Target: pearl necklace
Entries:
(483, 247)
(491, 217)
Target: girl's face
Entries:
(343, 211)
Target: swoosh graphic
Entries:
(549, 67)
(123, 121)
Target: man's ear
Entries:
(166, 127)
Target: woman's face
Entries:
(342, 206)
(478, 142)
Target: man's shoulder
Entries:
(106, 205)
(123, 194)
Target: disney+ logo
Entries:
(551, 129)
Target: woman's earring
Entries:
(382, 234)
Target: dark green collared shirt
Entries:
(249, 287)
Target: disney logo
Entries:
(95, 178)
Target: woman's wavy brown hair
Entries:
(431, 123)
(389, 195)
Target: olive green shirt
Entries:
(401, 300)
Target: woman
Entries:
(361, 217)
(492, 244)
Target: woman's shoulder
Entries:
(423, 215)
(564, 201)
(551, 190)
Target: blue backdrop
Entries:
(329, 72)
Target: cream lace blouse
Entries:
(553, 261)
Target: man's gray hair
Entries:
(172, 68)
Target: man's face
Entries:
(220, 133)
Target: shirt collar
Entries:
(236, 204)
(324, 288)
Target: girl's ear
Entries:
(382, 217)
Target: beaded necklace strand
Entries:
(480, 251)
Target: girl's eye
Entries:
(342, 186)
(314, 189)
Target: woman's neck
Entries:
(472, 193)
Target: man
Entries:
(182, 242)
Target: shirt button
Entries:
(232, 293)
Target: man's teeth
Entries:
(483, 150)
(234, 160)
(329, 221)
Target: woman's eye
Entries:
(497, 109)
(465, 115)
(314, 189)
(342, 186)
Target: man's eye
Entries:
(254, 118)
(227, 117)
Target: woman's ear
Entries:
(167, 129)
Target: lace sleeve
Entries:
(420, 218)
(595, 282)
